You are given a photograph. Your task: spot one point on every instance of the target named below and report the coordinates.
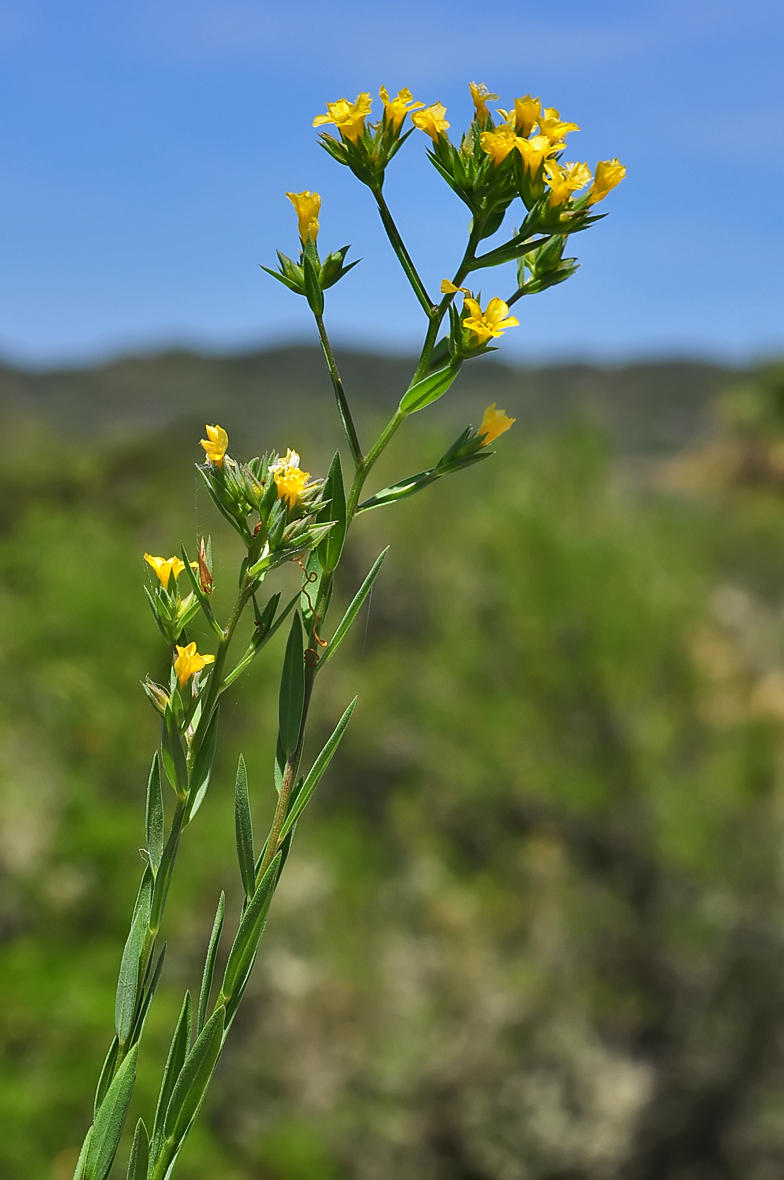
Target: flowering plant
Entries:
(284, 515)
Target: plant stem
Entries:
(343, 407)
(398, 246)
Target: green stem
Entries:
(340, 396)
(289, 778)
(406, 262)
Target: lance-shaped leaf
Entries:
(178, 1051)
(109, 1121)
(331, 547)
(429, 389)
(248, 936)
(140, 1150)
(82, 1160)
(173, 753)
(154, 817)
(243, 826)
(356, 605)
(399, 491)
(508, 252)
(292, 688)
(149, 989)
(131, 963)
(106, 1075)
(311, 271)
(163, 879)
(202, 766)
(317, 770)
(209, 964)
(191, 1085)
(260, 637)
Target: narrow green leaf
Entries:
(311, 271)
(429, 389)
(109, 1121)
(82, 1160)
(140, 1150)
(194, 1078)
(311, 585)
(243, 825)
(178, 1051)
(317, 770)
(202, 766)
(331, 547)
(131, 962)
(106, 1075)
(400, 491)
(356, 604)
(149, 996)
(163, 879)
(248, 936)
(292, 688)
(209, 964)
(173, 754)
(258, 642)
(154, 817)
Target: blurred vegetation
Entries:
(532, 928)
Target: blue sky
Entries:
(146, 148)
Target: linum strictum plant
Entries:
(284, 515)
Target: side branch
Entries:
(403, 255)
(340, 395)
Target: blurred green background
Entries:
(532, 925)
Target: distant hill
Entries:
(646, 407)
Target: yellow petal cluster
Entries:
(431, 120)
(307, 206)
(488, 323)
(494, 423)
(608, 174)
(481, 96)
(534, 151)
(527, 112)
(188, 662)
(499, 143)
(289, 479)
(165, 567)
(215, 444)
(552, 125)
(565, 179)
(348, 117)
(396, 109)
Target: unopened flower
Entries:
(215, 444)
(481, 96)
(289, 478)
(307, 206)
(534, 151)
(396, 109)
(608, 174)
(490, 322)
(527, 112)
(348, 117)
(565, 180)
(166, 566)
(494, 422)
(431, 120)
(552, 125)
(188, 662)
(498, 144)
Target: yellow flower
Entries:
(431, 120)
(165, 567)
(527, 113)
(490, 322)
(289, 479)
(307, 206)
(215, 444)
(494, 422)
(348, 117)
(481, 96)
(608, 174)
(396, 109)
(498, 144)
(534, 151)
(565, 180)
(551, 125)
(449, 288)
(189, 661)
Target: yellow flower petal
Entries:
(431, 120)
(494, 423)
(348, 117)
(165, 567)
(215, 444)
(188, 662)
(307, 206)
